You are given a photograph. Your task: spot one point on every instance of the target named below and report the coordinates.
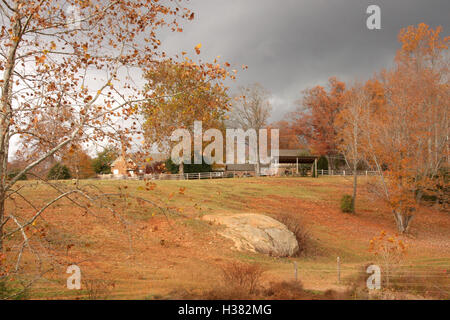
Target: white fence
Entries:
(346, 173)
(200, 176)
(166, 176)
(221, 174)
(186, 176)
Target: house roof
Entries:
(130, 163)
(294, 156)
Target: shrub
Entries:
(303, 238)
(437, 192)
(102, 164)
(347, 203)
(285, 290)
(171, 167)
(188, 168)
(59, 172)
(242, 277)
(155, 167)
(13, 173)
(303, 170)
(240, 281)
(10, 292)
(322, 163)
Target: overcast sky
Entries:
(290, 45)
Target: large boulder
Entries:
(257, 233)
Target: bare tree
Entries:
(251, 110)
(349, 128)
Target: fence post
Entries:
(366, 173)
(199, 176)
(331, 171)
(344, 173)
(339, 270)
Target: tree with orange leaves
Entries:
(79, 163)
(406, 132)
(288, 138)
(191, 94)
(69, 71)
(315, 117)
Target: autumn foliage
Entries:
(71, 78)
(188, 93)
(405, 134)
(389, 252)
(396, 123)
(315, 117)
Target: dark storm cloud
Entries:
(290, 45)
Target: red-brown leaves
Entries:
(315, 117)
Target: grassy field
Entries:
(145, 253)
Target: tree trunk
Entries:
(4, 149)
(4, 153)
(181, 168)
(355, 182)
(5, 116)
(257, 165)
(2, 217)
(403, 221)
